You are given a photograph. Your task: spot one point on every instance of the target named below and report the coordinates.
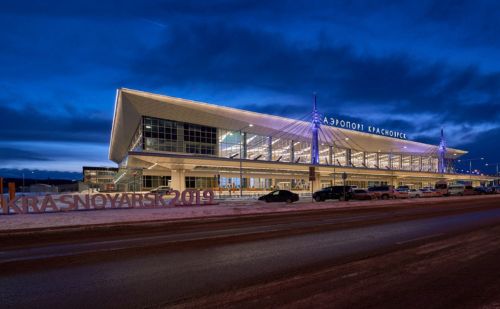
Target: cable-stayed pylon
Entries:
(315, 140)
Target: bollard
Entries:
(12, 191)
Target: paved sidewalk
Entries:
(10, 223)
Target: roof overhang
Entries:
(131, 105)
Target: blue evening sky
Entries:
(414, 66)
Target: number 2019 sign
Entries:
(68, 202)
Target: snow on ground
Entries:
(225, 208)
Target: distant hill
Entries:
(39, 174)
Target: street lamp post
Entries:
(497, 174)
(470, 165)
(241, 156)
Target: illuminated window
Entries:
(396, 161)
(406, 165)
(339, 156)
(171, 136)
(383, 160)
(257, 147)
(302, 152)
(324, 154)
(281, 149)
(357, 158)
(229, 144)
(371, 160)
(415, 163)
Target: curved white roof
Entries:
(131, 105)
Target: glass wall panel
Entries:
(281, 149)
(199, 139)
(151, 182)
(160, 135)
(324, 154)
(434, 164)
(396, 161)
(193, 182)
(383, 160)
(415, 163)
(371, 160)
(406, 163)
(229, 182)
(302, 152)
(357, 158)
(426, 164)
(229, 144)
(261, 183)
(257, 147)
(339, 156)
(171, 136)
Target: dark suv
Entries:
(383, 192)
(335, 192)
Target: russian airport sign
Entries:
(361, 127)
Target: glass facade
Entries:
(357, 158)
(230, 144)
(372, 160)
(324, 154)
(415, 163)
(151, 182)
(282, 150)
(396, 161)
(383, 161)
(406, 163)
(258, 147)
(339, 156)
(173, 136)
(193, 182)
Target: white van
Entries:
(456, 189)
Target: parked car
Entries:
(280, 196)
(161, 190)
(469, 190)
(415, 193)
(457, 189)
(483, 190)
(360, 194)
(401, 193)
(427, 192)
(407, 188)
(335, 192)
(442, 187)
(383, 192)
(496, 190)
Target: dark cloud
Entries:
(38, 174)
(405, 65)
(232, 57)
(8, 154)
(29, 124)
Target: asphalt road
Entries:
(135, 271)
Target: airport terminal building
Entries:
(160, 140)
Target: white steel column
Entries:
(179, 180)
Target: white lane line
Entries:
(419, 238)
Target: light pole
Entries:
(497, 175)
(470, 166)
(241, 156)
